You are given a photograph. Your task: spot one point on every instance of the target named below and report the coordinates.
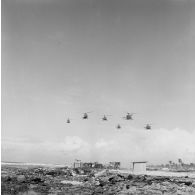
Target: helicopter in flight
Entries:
(118, 126)
(104, 118)
(129, 116)
(85, 115)
(68, 120)
(148, 127)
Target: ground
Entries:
(31, 180)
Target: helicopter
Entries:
(85, 115)
(104, 118)
(148, 127)
(118, 126)
(129, 116)
(68, 120)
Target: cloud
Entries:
(156, 146)
(33, 1)
(104, 144)
(46, 151)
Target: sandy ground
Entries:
(160, 173)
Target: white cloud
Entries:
(104, 144)
(156, 146)
(34, 1)
(22, 150)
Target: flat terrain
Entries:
(35, 180)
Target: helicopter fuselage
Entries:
(147, 127)
(104, 118)
(85, 116)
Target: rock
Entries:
(98, 190)
(68, 173)
(127, 186)
(33, 186)
(193, 184)
(156, 186)
(21, 178)
(36, 180)
(97, 183)
(115, 179)
(165, 183)
(52, 173)
(164, 189)
(103, 181)
(98, 174)
(149, 181)
(161, 178)
(71, 182)
(186, 182)
(6, 178)
(130, 177)
(131, 190)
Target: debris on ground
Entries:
(86, 181)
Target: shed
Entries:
(77, 164)
(88, 165)
(115, 165)
(139, 166)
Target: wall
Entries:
(139, 167)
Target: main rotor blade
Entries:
(88, 112)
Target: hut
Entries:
(114, 165)
(77, 164)
(88, 165)
(138, 166)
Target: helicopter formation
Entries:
(128, 116)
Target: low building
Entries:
(95, 165)
(88, 165)
(77, 164)
(98, 166)
(114, 165)
(139, 166)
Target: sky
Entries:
(65, 57)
